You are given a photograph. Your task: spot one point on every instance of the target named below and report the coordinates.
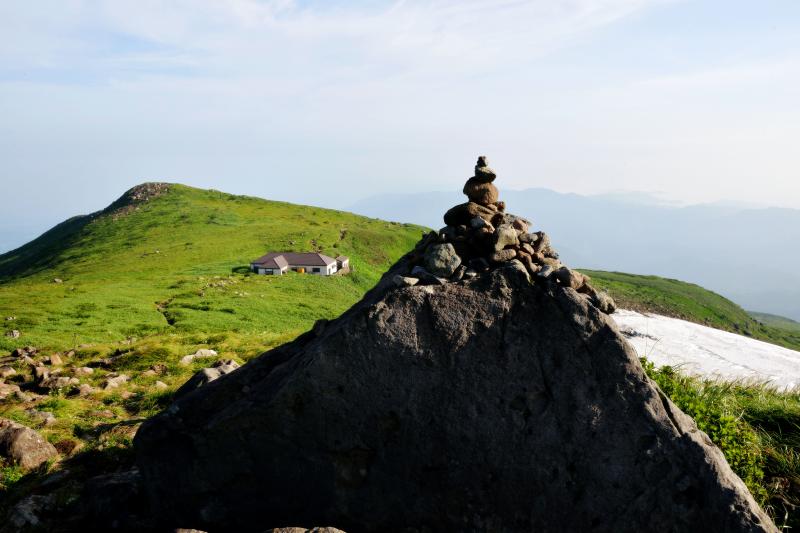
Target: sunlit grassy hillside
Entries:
(176, 265)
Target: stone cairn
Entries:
(480, 237)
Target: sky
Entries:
(328, 102)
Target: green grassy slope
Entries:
(690, 302)
(777, 322)
(177, 265)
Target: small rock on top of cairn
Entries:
(483, 173)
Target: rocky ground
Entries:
(89, 410)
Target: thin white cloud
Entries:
(213, 88)
(247, 37)
(727, 76)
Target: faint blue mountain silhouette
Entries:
(751, 255)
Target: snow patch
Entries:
(708, 352)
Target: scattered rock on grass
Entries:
(40, 372)
(112, 382)
(157, 369)
(187, 359)
(29, 351)
(85, 390)
(24, 396)
(104, 413)
(23, 446)
(43, 417)
(8, 389)
(207, 375)
(54, 383)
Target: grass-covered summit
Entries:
(167, 259)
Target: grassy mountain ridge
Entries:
(176, 262)
(776, 321)
(154, 277)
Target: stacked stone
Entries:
(480, 236)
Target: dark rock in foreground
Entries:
(485, 405)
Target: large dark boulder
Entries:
(489, 405)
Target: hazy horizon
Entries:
(15, 234)
(328, 102)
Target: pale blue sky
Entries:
(328, 102)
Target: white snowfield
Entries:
(708, 352)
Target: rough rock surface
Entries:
(493, 404)
(23, 446)
(481, 192)
(442, 260)
(463, 213)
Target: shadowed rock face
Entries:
(490, 404)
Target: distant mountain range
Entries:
(751, 255)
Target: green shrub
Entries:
(9, 475)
